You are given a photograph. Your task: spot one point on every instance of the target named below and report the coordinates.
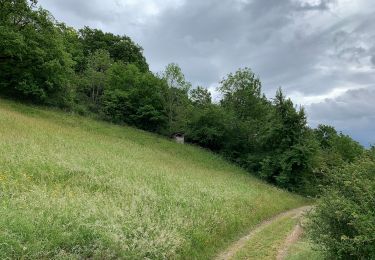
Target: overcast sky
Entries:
(321, 52)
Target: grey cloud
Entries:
(353, 104)
(354, 46)
(352, 112)
(353, 54)
(256, 35)
(321, 5)
(106, 15)
(373, 59)
(85, 10)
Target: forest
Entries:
(106, 76)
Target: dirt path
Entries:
(290, 240)
(236, 246)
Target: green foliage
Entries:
(242, 94)
(249, 111)
(135, 98)
(325, 135)
(73, 46)
(271, 139)
(335, 151)
(349, 149)
(93, 80)
(208, 127)
(175, 78)
(343, 223)
(342, 145)
(33, 58)
(200, 97)
(291, 146)
(120, 48)
(177, 99)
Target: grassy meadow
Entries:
(73, 188)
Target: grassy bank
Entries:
(72, 187)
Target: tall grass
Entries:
(304, 249)
(73, 188)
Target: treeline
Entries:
(96, 73)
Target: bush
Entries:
(207, 127)
(343, 223)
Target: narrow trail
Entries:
(290, 240)
(293, 237)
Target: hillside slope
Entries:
(72, 187)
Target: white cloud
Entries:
(302, 99)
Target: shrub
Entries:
(343, 223)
